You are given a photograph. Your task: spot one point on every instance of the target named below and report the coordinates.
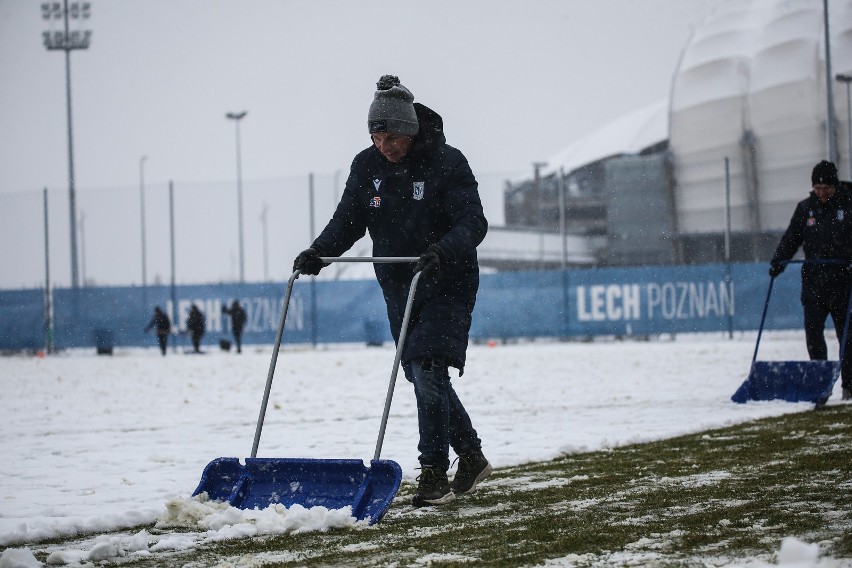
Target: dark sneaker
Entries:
(434, 488)
(473, 468)
(847, 394)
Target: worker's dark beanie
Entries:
(825, 173)
(392, 109)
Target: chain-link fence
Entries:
(276, 226)
(206, 235)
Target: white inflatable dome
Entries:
(751, 87)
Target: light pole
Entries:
(48, 335)
(563, 264)
(174, 314)
(237, 117)
(265, 244)
(539, 220)
(68, 41)
(142, 215)
(539, 193)
(848, 79)
(831, 145)
(83, 245)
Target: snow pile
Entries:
(104, 548)
(223, 522)
(18, 558)
(207, 521)
(795, 552)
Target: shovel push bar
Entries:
(400, 343)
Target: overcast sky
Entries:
(515, 82)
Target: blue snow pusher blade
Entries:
(330, 483)
(793, 381)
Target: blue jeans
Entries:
(442, 420)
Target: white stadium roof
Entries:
(750, 86)
(629, 134)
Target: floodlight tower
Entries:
(67, 41)
(237, 117)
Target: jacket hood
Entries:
(431, 132)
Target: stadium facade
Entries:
(733, 144)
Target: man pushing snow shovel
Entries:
(418, 197)
(822, 226)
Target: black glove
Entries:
(309, 262)
(429, 261)
(776, 268)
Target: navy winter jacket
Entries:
(824, 231)
(430, 197)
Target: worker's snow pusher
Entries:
(331, 483)
(793, 381)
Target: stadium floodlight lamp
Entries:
(81, 10)
(65, 39)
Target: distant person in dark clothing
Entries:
(196, 325)
(238, 320)
(418, 197)
(822, 226)
(163, 324)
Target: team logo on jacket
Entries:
(419, 187)
(376, 202)
(811, 221)
(377, 182)
(840, 214)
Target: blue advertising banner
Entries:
(635, 301)
(22, 320)
(573, 303)
(84, 314)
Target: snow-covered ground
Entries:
(95, 444)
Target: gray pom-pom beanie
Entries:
(392, 109)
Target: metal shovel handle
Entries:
(280, 334)
(403, 332)
(373, 259)
(763, 319)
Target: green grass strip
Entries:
(717, 496)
